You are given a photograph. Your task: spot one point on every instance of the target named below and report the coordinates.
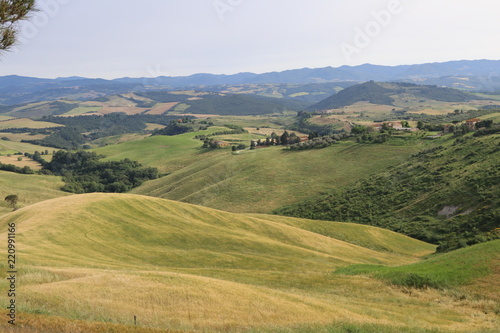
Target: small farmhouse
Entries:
(471, 123)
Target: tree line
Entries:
(84, 172)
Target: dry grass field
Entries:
(14, 160)
(26, 122)
(22, 136)
(29, 188)
(13, 147)
(179, 267)
(161, 108)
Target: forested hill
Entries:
(240, 104)
(385, 94)
(227, 104)
(448, 195)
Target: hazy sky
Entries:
(118, 38)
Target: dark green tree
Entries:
(12, 199)
(284, 138)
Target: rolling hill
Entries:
(257, 180)
(387, 94)
(448, 194)
(239, 104)
(181, 267)
(29, 188)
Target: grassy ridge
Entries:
(387, 93)
(447, 194)
(183, 227)
(167, 153)
(29, 188)
(452, 269)
(196, 269)
(250, 181)
(264, 179)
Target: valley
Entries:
(254, 207)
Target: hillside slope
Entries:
(30, 189)
(125, 224)
(182, 265)
(179, 266)
(259, 180)
(387, 93)
(448, 194)
(255, 181)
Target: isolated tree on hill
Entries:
(12, 199)
(11, 12)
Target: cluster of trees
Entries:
(31, 131)
(175, 128)
(276, 140)
(12, 168)
(457, 128)
(365, 134)
(215, 144)
(62, 138)
(293, 142)
(83, 172)
(487, 131)
(92, 123)
(372, 138)
(37, 157)
(317, 142)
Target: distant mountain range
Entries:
(476, 75)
